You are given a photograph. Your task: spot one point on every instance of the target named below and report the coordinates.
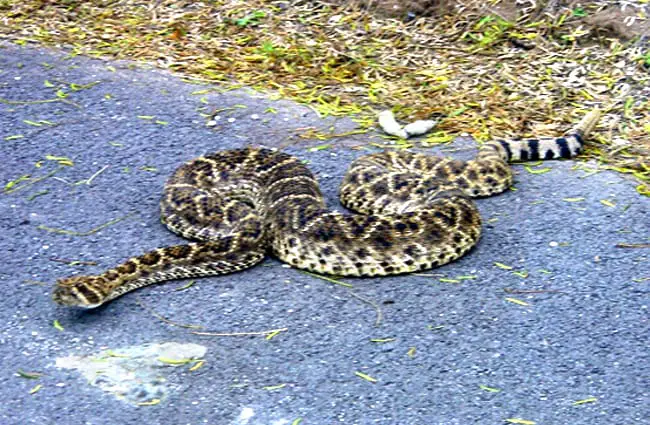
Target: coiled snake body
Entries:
(416, 212)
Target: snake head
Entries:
(80, 291)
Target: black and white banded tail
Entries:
(567, 146)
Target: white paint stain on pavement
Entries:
(135, 374)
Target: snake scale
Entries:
(415, 212)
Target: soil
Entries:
(603, 20)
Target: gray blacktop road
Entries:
(545, 322)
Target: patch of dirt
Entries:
(614, 23)
(604, 18)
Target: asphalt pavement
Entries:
(544, 322)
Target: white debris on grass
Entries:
(419, 127)
(389, 124)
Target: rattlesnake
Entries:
(416, 213)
